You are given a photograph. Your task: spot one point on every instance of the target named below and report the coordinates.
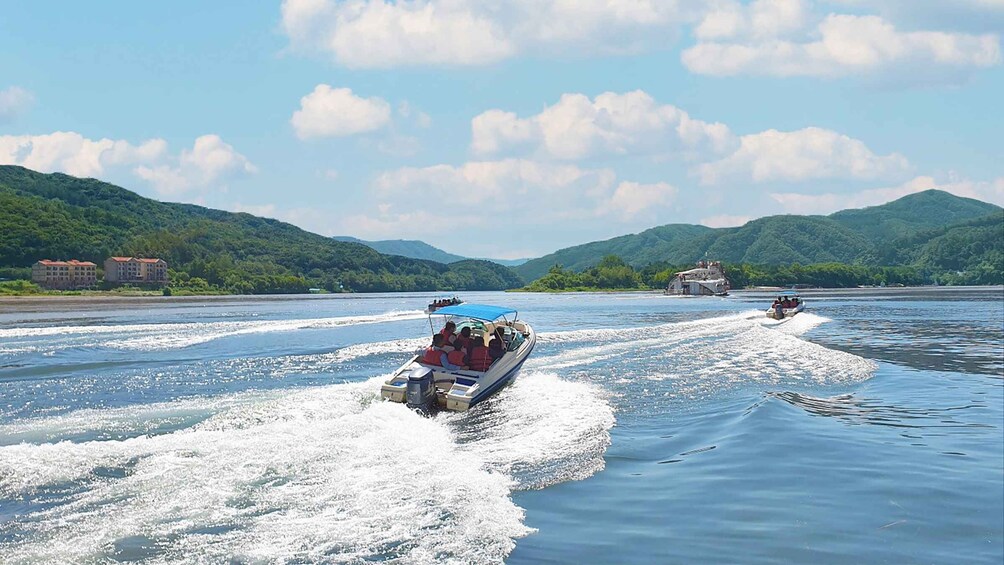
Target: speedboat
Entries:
(441, 302)
(425, 387)
(787, 304)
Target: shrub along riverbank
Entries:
(612, 273)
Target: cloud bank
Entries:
(210, 160)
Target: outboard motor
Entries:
(421, 391)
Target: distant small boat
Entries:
(787, 304)
(442, 303)
(707, 279)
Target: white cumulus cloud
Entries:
(737, 40)
(73, 154)
(14, 101)
(806, 154)
(631, 199)
(763, 18)
(335, 112)
(611, 124)
(797, 203)
(384, 34)
(725, 221)
(495, 207)
(208, 162)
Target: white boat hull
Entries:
(460, 390)
(785, 312)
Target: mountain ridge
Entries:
(417, 249)
(60, 216)
(851, 236)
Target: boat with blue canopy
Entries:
(429, 385)
(787, 304)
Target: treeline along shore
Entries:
(930, 237)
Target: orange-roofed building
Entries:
(64, 274)
(135, 269)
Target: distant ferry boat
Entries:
(707, 279)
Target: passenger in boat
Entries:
(497, 345)
(457, 358)
(479, 358)
(778, 310)
(449, 333)
(438, 354)
(434, 354)
(463, 338)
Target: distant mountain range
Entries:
(918, 229)
(421, 250)
(57, 216)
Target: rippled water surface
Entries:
(643, 429)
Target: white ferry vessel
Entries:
(707, 279)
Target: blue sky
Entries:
(510, 128)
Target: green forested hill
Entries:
(785, 239)
(933, 230)
(57, 216)
(911, 214)
(663, 243)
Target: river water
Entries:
(643, 429)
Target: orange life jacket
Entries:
(431, 356)
(456, 357)
(480, 359)
(462, 342)
(448, 336)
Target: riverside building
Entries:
(135, 270)
(64, 274)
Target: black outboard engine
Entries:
(421, 392)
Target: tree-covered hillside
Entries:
(57, 216)
(932, 230)
(663, 243)
(911, 214)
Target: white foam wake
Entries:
(320, 474)
(700, 357)
(179, 335)
(324, 474)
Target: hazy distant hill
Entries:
(865, 236)
(57, 216)
(420, 250)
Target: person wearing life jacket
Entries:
(458, 358)
(478, 356)
(438, 354)
(463, 338)
(449, 333)
(433, 355)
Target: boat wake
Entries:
(175, 335)
(331, 473)
(322, 474)
(699, 358)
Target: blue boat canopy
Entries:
(483, 312)
(787, 293)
